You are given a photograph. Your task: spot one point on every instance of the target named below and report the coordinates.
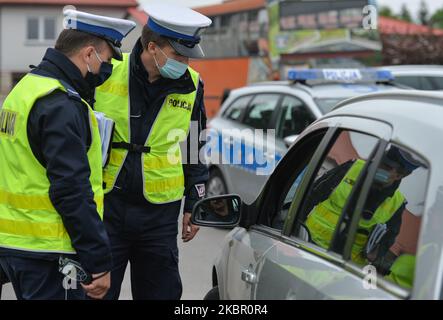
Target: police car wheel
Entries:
(212, 294)
(216, 184)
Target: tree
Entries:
(386, 11)
(405, 14)
(437, 19)
(423, 13)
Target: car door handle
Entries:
(249, 276)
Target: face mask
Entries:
(382, 177)
(104, 73)
(172, 69)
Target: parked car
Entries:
(277, 249)
(288, 107)
(420, 77)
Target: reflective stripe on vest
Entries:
(163, 179)
(28, 220)
(324, 217)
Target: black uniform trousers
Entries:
(39, 279)
(145, 235)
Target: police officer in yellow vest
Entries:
(51, 195)
(153, 96)
(381, 220)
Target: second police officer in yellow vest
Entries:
(51, 196)
(153, 95)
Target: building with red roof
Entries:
(28, 27)
(394, 26)
(216, 70)
(385, 25)
(87, 3)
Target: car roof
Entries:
(419, 70)
(415, 116)
(318, 90)
(345, 90)
(415, 95)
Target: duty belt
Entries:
(131, 147)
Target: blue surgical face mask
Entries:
(172, 69)
(382, 176)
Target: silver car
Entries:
(288, 107)
(385, 240)
(420, 77)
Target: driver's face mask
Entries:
(382, 176)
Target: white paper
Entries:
(105, 126)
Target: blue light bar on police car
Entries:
(341, 75)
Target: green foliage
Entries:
(437, 19)
(385, 11)
(405, 14)
(423, 13)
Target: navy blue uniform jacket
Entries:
(59, 135)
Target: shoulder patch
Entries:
(201, 190)
(71, 91)
(73, 94)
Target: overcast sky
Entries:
(413, 5)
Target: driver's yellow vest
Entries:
(402, 271)
(163, 179)
(324, 217)
(28, 220)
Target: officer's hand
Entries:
(98, 288)
(189, 230)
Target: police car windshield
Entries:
(327, 104)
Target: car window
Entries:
(279, 219)
(412, 81)
(327, 104)
(388, 228)
(286, 179)
(294, 117)
(426, 83)
(259, 114)
(437, 82)
(236, 109)
(333, 184)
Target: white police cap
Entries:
(112, 30)
(181, 25)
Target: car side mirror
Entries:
(217, 211)
(289, 140)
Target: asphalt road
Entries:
(196, 258)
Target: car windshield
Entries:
(326, 104)
(438, 82)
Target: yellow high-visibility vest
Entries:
(163, 179)
(28, 220)
(323, 218)
(402, 271)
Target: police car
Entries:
(239, 159)
(272, 253)
(420, 77)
